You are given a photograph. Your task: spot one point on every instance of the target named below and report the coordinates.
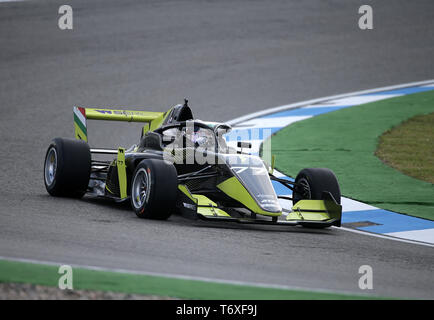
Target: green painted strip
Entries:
(80, 124)
(85, 279)
(345, 141)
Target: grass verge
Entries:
(409, 147)
(85, 279)
(346, 140)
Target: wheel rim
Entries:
(50, 167)
(305, 189)
(139, 191)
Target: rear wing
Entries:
(151, 119)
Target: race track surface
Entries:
(229, 58)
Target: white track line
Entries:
(426, 235)
(185, 277)
(324, 99)
(384, 236)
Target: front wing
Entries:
(308, 213)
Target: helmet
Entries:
(201, 137)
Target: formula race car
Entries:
(185, 166)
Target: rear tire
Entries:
(154, 189)
(67, 168)
(316, 180)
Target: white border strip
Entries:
(324, 99)
(193, 278)
(385, 236)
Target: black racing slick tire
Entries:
(310, 184)
(154, 188)
(67, 168)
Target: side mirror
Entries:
(241, 144)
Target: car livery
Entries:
(184, 166)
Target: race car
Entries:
(183, 165)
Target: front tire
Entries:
(154, 189)
(67, 168)
(310, 184)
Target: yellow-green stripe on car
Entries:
(204, 205)
(122, 115)
(185, 190)
(234, 189)
(315, 210)
(122, 174)
(80, 134)
(207, 207)
(156, 123)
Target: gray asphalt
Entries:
(230, 58)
